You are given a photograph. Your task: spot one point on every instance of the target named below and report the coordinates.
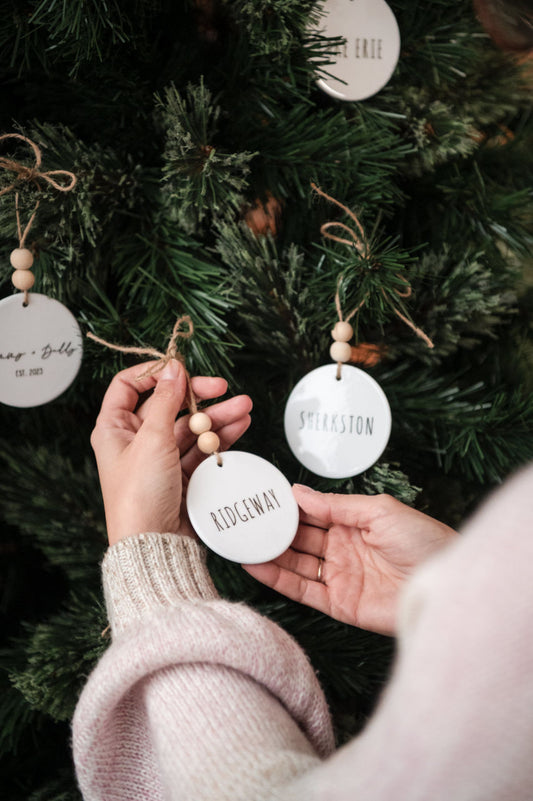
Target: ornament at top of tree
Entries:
(239, 504)
(367, 57)
(40, 340)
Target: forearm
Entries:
(194, 692)
(219, 735)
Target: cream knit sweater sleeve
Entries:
(200, 699)
(196, 698)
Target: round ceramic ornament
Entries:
(337, 427)
(242, 508)
(367, 58)
(40, 349)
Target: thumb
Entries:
(313, 504)
(345, 510)
(167, 399)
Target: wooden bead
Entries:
(340, 351)
(208, 442)
(21, 259)
(23, 280)
(199, 423)
(342, 332)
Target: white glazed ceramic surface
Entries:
(337, 428)
(40, 349)
(243, 510)
(368, 57)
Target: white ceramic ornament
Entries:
(368, 56)
(337, 428)
(243, 509)
(40, 350)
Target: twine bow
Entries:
(357, 241)
(360, 243)
(171, 352)
(32, 174)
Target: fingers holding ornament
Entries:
(310, 539)
(240, 494)
(304, 565)
(308, 591)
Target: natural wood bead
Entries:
(21, 259)
(342, 332)
(199, 423)
(208, 442)
(23, 280)
(340, 351)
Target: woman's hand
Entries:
(366, 548)
(145, 455)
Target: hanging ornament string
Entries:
(23, 234)
(342, 332)
(171, 352)
(359, 242)
(338, 304)
(199, 422)
(21, 258)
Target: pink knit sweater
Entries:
(204, 700)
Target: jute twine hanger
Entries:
(359, 242)
(33, 175)
(163, 359)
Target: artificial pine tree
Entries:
(195, 130)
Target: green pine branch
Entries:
(199, 175)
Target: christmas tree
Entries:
(195, 131)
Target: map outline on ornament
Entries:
(244, 509)
(41, 350)
(370, 52)
(337, 428)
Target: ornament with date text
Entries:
(40, 340)
(369, 53)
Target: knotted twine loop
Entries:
(171, 352)
(361, 245)
(358, 242)
(30, 174)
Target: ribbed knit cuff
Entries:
(152, 571)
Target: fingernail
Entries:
(303, 488)
(170, 370)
